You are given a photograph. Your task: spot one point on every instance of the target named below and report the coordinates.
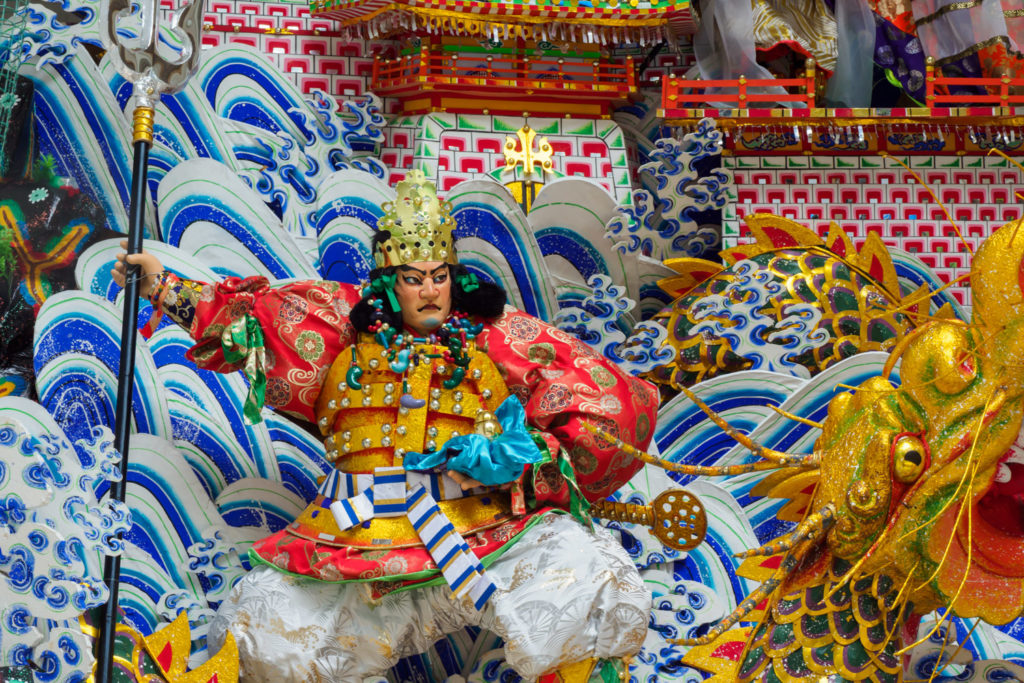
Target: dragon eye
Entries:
(908, 458)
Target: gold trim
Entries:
(977, 47)
(732, 123)
(468, 515)
(943, 11)
(1013, 13)
(142, 125)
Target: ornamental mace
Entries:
(152, 72)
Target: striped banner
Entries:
(340, 485)
(389, 491)
(460, 567)
(352, 511)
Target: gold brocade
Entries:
(807, 23)
(368, 428)
(943, 11)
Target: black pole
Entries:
(125, 381)
(650, 58)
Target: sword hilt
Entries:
(676, 518)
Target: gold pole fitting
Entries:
(142, 125)
(676, 517)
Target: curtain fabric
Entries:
(851, 82)
(952, 29)
(724, 43)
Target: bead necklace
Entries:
(400, 350)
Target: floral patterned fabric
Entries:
(305, 326)
(561, 382)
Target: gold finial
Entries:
(420, 225)
(526, 155)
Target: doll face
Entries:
(424, 293)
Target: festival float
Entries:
(762, 262)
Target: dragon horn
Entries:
(763, 592)
(785, 459)
(811, 529)
(695, 470)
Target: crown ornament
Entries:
(420, 224)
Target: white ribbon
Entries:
(393, 492)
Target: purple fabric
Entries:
(901, 54)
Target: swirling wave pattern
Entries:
(679, 208)
(347, 213)
(52, 559)
(81, 126)
(494, 241)
(208, 212)
(76, 360)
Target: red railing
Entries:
(600, 79)
(998, 90)
(740, 93)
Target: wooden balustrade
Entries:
(740, 93)
(497, 76)
(997, 90)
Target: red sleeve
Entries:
(305, 326)
(564, 383)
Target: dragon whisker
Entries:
(848, 576)
(764, 591)
(902, 308)
(960, 645)
(810, 461)
(945, 554)
(938, 201)
(1016, 163)
(811, 529)
(795, 418)
(967, 468)
(743, 440)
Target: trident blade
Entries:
(141, 60)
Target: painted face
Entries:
(424, 292)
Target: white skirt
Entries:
(563, 595)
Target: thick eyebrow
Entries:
(405, 268)
(443, 266)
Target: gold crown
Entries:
(420, 225)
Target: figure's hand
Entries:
(149, 268)
(464, 480)
(467, 482)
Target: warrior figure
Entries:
(462, 466)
